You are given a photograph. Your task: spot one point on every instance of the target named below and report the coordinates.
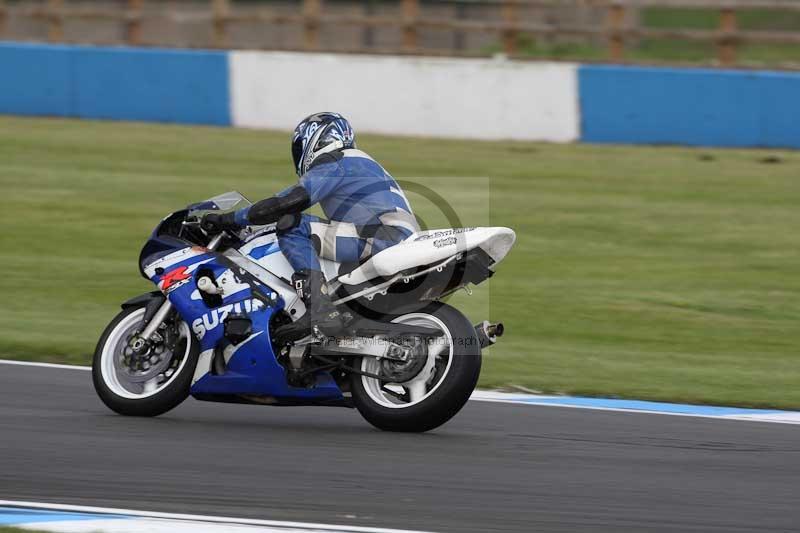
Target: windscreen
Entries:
(229, 201)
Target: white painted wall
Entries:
(439, 97)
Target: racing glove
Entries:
(214, 223)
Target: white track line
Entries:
(303, 526)
(786, 417)
(43, 365)
(755, 415)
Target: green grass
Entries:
(675, 50)
(709, 19)
(658, 273)
(8, 529)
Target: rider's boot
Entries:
(320, 311)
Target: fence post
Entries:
(133, 23)
(3, 17)
(459, 38)
(368, 32)
(510, 29)
(726, 46)
(219, 12)
(311, 12)
(616, 29)
(410, 10)
(55, 21)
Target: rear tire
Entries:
(109, 376)
(447, 381)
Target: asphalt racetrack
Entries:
(495, 467)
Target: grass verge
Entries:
(656, 273)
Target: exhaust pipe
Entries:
(488, 333)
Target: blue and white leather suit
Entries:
(366, 209)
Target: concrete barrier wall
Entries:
(463, 98)
(115, 83)
(443, 97)
(689, 106)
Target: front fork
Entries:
(140, 342)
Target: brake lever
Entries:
(194, 222)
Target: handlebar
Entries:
(213, 244)
(196, 222)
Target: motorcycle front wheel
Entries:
(150, 383)
(443, 378)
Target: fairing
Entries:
(431, 247)
(252, 372)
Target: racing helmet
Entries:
(319, 134)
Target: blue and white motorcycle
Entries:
(406, 361)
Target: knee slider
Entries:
(316, 243)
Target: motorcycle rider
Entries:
(366, 209)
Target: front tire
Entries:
(153, 390)
(439, 391)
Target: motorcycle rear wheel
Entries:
(151, 392)
(438, 391)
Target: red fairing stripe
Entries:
(174, 276)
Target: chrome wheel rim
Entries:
(433, 373)
(137, 385)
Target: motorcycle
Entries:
(406, 360)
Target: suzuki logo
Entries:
(215, 317)
(174, 278)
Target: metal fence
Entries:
(610, 23)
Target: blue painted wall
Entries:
(689, 106)
(115, 83)
(618, 104)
